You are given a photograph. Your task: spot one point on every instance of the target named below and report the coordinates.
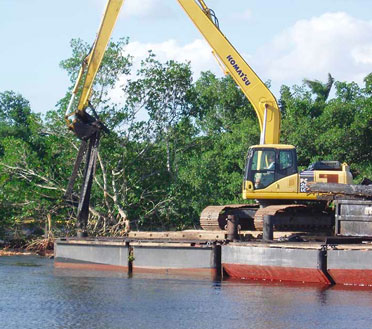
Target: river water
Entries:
(33, 294)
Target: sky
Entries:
(283, 41)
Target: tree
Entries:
(36, 164)
(163, 91)
(219, 104)
(212, 170)
(321, 91)
(24, 163)
(298, 106)
(15, 115)
(340, 131)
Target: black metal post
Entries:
(217, 264)
(322, 263)
(232, 228)
(268, 228)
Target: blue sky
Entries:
(284, 41)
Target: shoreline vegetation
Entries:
(13, 252)
(42, 247)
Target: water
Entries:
(35, 295)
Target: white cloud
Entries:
(197, 52)
(146, 9)
(333, 42)
(362, 54)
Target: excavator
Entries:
(271, 176)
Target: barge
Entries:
(342, 259)
(324, 263)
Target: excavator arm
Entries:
(262, 100)
(89, 69)
(85, 126)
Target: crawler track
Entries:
(288, 217)
(214, 218)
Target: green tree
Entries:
(23, 163)
(161, 94)
(15, 115)
(213, 168)
(38, 156)
(298, 105)
(321, 91)
(219, 104)
(340, 131)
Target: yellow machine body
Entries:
(282, 180)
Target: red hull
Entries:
(276, 273)
(360, 277)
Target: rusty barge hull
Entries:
(275, 262)
(213, 256)
(351, 265)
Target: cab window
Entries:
(263, 160)
(263, 168)
(266, 166)
(285, 159)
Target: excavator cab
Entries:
(271, 173)
(267, 164)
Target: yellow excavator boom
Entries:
(262, 100)
(93, 60)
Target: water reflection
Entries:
(40, 296)
(322, 295)
(217, 284)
